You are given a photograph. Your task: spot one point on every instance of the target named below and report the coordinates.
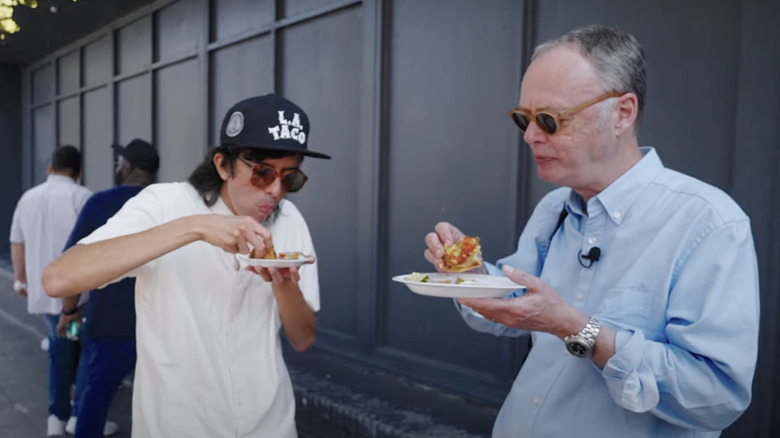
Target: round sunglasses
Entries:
(263, 175)
(550, 122)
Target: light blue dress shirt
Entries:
(678, 281)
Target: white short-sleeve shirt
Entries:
(209, 353)
(43, 220)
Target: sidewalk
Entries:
(335, 397)
(24, 369)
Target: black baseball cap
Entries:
(140, 154)
(267, 122)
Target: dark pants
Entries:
(106, 363)
(63, 358)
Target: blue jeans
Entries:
(106, 363)
(63, 362)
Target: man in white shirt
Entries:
(41, 224)
(209, 352)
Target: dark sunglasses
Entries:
(548, 122)
(263, 175)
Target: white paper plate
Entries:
(488, 286)
(245, 260)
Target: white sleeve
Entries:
(16, 224)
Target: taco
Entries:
(463, 255)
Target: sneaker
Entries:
(109, 429)
(55, 426)
(71, 426)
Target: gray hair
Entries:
(617, 57)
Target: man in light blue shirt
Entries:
(642, 295)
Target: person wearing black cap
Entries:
(208, 319)
(107, 334)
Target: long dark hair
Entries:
(206, 179)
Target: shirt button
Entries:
(581, 296)
(617, 215)
(537, 400)
(593, 240)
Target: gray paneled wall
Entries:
(134, 108)
(178, 120)
(321, 70)
(97, 62)
(69, 121)
(43, 140)
(237, 71)
(232, 18)
(68, 72)
(134, 46)
(452, 156)
(410, 98)
(98, 136)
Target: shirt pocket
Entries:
(629, 308)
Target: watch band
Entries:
(18, 285)
(70, 312)
(591, 329)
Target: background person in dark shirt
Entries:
(108, 326)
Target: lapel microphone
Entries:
(592, 256)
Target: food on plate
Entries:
(463, 255)
(416, 276)
(425, 278)
(269, 253)
(465, 281)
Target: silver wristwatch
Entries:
(583, 343)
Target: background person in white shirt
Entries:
(41, 224)
(209, 352)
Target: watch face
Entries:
(579, 348)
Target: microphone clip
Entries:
(592, 256)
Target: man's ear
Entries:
(627, 112)
(219, 160)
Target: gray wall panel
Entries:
(43, 84)
(234, 17)
(239, 71)
(134, 109)
(757, 186)
(179, 138)
(69, 73)
(292, 8)
(320, 62)
(452, 154)
(134, 46)
(98, 155)
(97, 62)
(43, 141)
(69, 121)
(178, 28)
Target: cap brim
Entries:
(305, 152)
